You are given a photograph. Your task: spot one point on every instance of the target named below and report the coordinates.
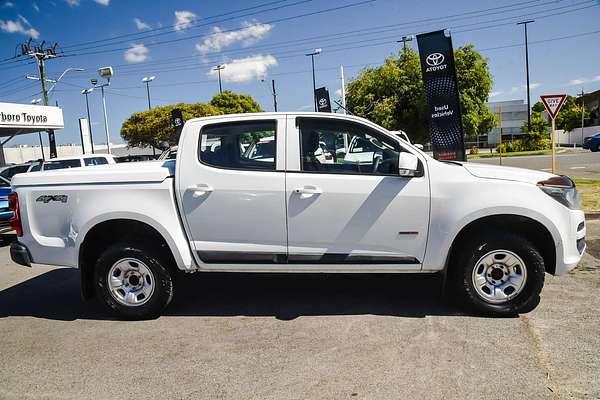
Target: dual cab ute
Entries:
(129, 228)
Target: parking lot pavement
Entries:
(298, 336)
(582, 164)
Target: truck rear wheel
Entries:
(133, 282)
(500, 274)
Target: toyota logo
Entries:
(434, 59)
(323, 102)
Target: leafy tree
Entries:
(392, 94)
(569, 116)
(233, 103)
(538, 107)
(148, 128)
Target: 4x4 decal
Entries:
(46, 198)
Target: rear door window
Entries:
(239, 145)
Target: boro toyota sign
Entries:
(441, 93)
(30, 117)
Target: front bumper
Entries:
(20, 254)
(572, 244)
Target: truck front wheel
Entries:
(133, 282)
(499, 274)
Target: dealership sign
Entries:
(17, 117)
(441, 93)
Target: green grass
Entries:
(484, 154)
(589, 190)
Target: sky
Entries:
(180, 41)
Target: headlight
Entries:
(562, 189)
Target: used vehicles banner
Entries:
(441, 92)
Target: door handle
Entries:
(200, 189)
(308, 190)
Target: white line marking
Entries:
(577, 167)
(546, 169)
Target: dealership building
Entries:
(513, 114)
(21, 119)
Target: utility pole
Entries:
(312, 59)
(41, 53)
(524, 23)
(218, 68)
(582, 114)
(405, 39)
(274, 95)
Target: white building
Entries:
(513, 114)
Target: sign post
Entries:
(553, 103)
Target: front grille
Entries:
(580, 245)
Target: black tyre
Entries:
(133, 281)
(594, 148)
(499, 274)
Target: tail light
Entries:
(15, 221)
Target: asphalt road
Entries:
(299, 336)
(576, 164)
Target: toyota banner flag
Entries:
(322, 99)
(441, 93)
(177, 121)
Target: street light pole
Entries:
(105, 118)
(86, 92)
(147, 81)
(274, 95)
(312, 60)
(218, 68)
(404, 40)
(524, 23)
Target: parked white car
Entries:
(492, 231)
(73, 162)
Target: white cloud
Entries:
(136, 53)
(8, 4)
(103, 2)
(575, 82)
(245, 69)
(596, 78)
(533, 85)
(141, 25)
(16, 26)
(250, 33)
(338, 92)
(35, 7)
(184, 19)
(72, 3)
(497, 93)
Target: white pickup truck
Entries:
(130, 228)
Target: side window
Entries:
(345, 147)
(62, 164)
(239, 145)
(95, 161)
(36, 167)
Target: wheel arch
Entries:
(534, 231)
(106, 232)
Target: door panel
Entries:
(353, 211)
(233, 195)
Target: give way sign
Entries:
(553, 103)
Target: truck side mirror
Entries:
(418, 146)
(408, 164)
(164, 145)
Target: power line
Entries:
(172, 28)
